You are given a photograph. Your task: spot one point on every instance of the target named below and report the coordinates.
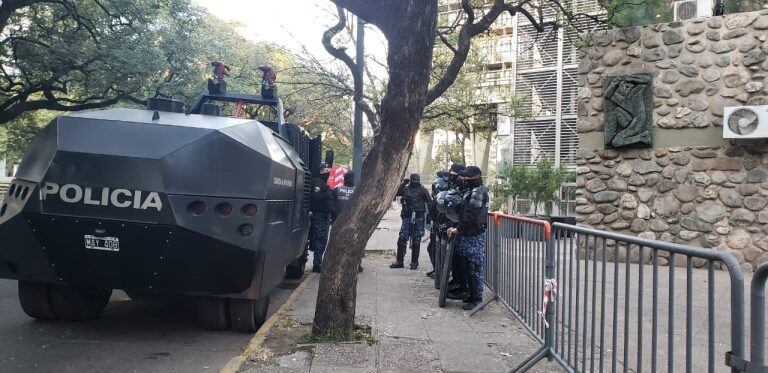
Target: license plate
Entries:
(102, 243)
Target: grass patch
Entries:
(361, 333)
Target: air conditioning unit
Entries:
(745, 122)
(690, 9)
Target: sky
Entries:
(290, 23)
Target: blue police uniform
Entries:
(413, 226)
(473, 249)
(414, 199)
(470, 242)
(321, 205)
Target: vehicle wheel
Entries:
(74, 303)
(295, 270)
(212, 313)
(35, 299)
(248, 315)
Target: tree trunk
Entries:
(410, 55)
(484, 166)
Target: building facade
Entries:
(539, 71)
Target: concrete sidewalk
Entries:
(384, 238)
(412, 333)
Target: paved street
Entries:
(129, 337)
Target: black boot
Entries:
(474, 298)
(456, 295)
(415, 249)
(458, 283)
(401, 246)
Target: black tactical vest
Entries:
(343, 194)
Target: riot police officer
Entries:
(457, 284)
(343, 193)
(321, 205)
(414, 200)
(470, 232)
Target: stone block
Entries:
(739, 20)
(628, 201)
(658, 225)
(680, 159)
(665, 185)
(710, 211)
(686, 193)
(701, 165)
(730, 197)
(755, 203)
(695, 224)
(666, 206)
(595, 185)
(757, 175)
(644, 194)
(742, 217)
(644, 167)
(606, 196)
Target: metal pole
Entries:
(757, 312)
(357, 157)
(550, 263)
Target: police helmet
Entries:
(452, 202)
(440, 185)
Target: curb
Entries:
(237, 362)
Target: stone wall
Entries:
(692, 187)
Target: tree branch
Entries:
(373, 119)
(470, 29)
(20, 108)
(338, 53)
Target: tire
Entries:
(73, 303)
(35, 299)
(295, 270)
(212, 313)
(248, 315)
(445, 273)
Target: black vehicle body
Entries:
(111, 199)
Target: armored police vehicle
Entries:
(163, 203)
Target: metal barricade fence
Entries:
(515, 265)
(756, 362)
(620, 302)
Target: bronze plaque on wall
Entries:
(628, 111)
